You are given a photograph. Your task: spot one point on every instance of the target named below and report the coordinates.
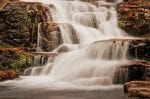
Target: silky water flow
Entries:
(87, 31)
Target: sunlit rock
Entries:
(134, 17)
(139, 89)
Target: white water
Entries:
(87, 63)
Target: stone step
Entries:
(138, 48)
(45, 53)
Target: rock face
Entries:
(133, 70)
(50, 36)
(7, 75)
(139, 49)
(18, 28)
(14, 58)
(138, 89)
(134, 17)
(7, 58)
(54, 34)
(19, 23)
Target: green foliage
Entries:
(23, 61)
(1, 66)
(4, 45)
(121, 24)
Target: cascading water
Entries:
(82, 26)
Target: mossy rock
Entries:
(19, 23)
(14, 58)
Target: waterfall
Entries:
(84, 24)
(88, 33)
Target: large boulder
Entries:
(139, 89)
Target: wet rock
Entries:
(19, 23)
(138, 89)
(46, 53)
(62, 49)
(134, 17)
(50, 36)
(7, 75)
(133, 70)
(33, 70)
(28, 71)
(104, 4)
(137, 48)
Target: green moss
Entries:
(1, 66)
(24, 61)
(121, 24)
(4, 45)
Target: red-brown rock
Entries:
(7, 75)
(134, 17)
(50, 36)
(138, 89)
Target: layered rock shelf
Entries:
(138, 89)
(49, 36)
(132, 71)
(45, 53)
(134, 17)
(137, 48)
